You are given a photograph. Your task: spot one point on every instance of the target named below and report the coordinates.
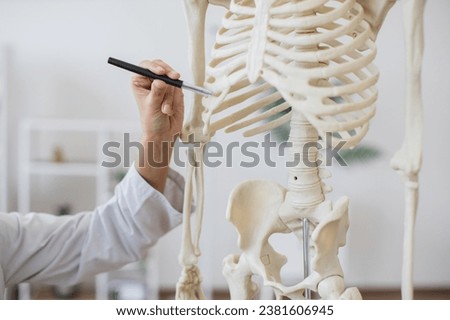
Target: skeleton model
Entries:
(316, 56)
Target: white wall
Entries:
(3, 134)
(58, 52)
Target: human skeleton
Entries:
(316, 56)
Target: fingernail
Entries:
(160, 69)
(174, 74)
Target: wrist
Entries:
(154, 160)
(157, 152)
(158, 138)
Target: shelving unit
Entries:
(67, 169)
(31, 167)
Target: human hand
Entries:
(161, 106)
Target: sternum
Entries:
(255, 55)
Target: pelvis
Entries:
(254, 208)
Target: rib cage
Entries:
(315, 54)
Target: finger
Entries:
(169, 70)
(153, 67)
(141, 82)
(157, 66)
(157, 94)
(167, 104)
(178, 103)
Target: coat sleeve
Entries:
(43, 248)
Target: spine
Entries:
(304, 183)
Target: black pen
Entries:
(147, 73)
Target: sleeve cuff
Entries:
(173, 191)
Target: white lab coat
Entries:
(43, 248)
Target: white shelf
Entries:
(76, 125)
(64, 168)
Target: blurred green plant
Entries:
(360, 154)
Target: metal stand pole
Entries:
(306, 255)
